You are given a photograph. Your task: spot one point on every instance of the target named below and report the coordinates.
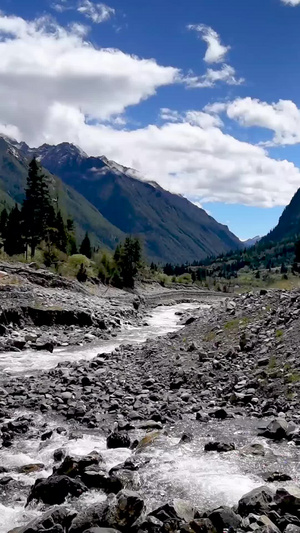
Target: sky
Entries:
(201, 96)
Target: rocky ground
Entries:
(240, 358)
(40, 310)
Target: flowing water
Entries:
(162, 320)
(171, 469)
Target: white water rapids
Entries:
(175, 470)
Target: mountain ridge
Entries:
(171, 227)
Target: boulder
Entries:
(256, 501)
(272, 477)
(73, 466)
(267, 525)
(29, 469)
(124, 510)
(55, 489)
(253, 449)
(223, 518)
(291, 528)
(118, 439)
(288, 499)
(219, 447)
(200, 525)
(276, 430)
(179, 510)
(220, 414)
(59, 516)
(118, 512)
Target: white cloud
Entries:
(55, 86)
(61, 6)
(291, 2)
(283, 117)
(96, 12)
(197, 118)
(216, 51)
(184, 157)
(43, 65)
(226, 75)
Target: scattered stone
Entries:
(219, 447)
(118, 439)
(256, 501)
(55, 489)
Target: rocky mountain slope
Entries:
(251, 242)
(13, 173)
(289, 222)
(172, 228)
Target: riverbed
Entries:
(171, 469)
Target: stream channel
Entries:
(171, 469)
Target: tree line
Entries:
(39, 223)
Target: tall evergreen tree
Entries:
(61, 235)
(72, 245)
(85, 247)
(14, 242)
(128, 260)
(38, 211)
(3, 224)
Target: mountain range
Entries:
(109, 201)
(289, 223)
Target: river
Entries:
(173, 470)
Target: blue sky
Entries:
(199, 95)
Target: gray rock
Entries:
(288, 499)
(118, 512)
(256, 501)
(118, 439)
(55, 489)
(219, 447)
(223, 518)
(291, 528)
(276, 430)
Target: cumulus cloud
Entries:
(216, 51)
(55, 86)
(198, 118)
(43, 65)
(96, 12)
(291, 2)
(192, 157)
(226, 75)
(283, 117)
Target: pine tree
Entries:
(14, 242)
(85, 247)
(72, 245)
(38, 211)
(61, 238)
(129, 262)
(3, 224)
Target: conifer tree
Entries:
(38, 211)
(61, 235)
(3, 224)
(128, 259)
(72, 246)
(85, 247)
(14, 242)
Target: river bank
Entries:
(42, 311)
(219, 381)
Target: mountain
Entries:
(172, 228)
(250, 242)
(13, 174)
(289, 223)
